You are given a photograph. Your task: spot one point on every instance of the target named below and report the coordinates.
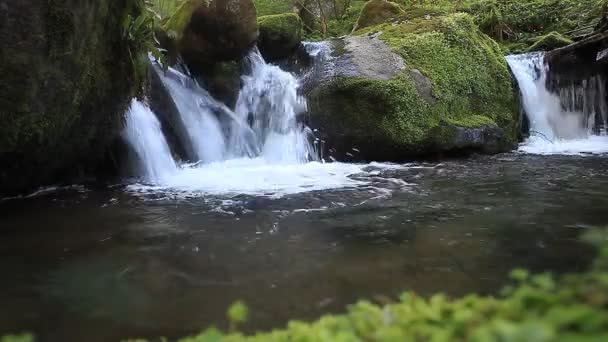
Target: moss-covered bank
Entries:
(470, 88)
(66, 80)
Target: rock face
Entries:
(280, 35)
(210, 31)
(65, 83)
(377, 12)
(424, 86)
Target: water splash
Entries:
(560, 123)
(270, 103)
(261, 148)
(143, 133)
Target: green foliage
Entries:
(17, 338)
(139, 33)
(238, 313)
(176, 24)
(269, 7)
(165, 8)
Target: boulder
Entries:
(424, 86)
(211, 31)
(377, 12)
(280, 35)
(66, 79)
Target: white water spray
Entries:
(270, 102)
(558, 125)
(261, 148)
(143, 133)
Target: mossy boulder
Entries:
(377, 12)
(550, 41)
(280, 35)
(66, 81)
(210, 31)
(451, 92)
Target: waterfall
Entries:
(144, 135)
(270, 103)
(259, 148)
(199, 113)
(567, 121)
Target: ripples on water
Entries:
(105, 264)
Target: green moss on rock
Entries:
(389, 119)
(176, 24)
(376, 12)
(280, 34)
(550, 41)
(66, 82)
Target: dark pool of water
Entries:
(103, 265)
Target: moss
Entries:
(60, 103)
(550, 41)
(177, 23)
(269, 7)
(470, 80)
(376, 12)
(280, 34)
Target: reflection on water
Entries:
(101, 265)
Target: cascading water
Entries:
(199, 115)
(559, 123)
(144, 135)
(269, 101)
(260, 148)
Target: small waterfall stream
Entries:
(259, 148)
(144, 135)
(571, 121)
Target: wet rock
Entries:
(66, 80)
(210, 31)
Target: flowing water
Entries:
(87, 264)
(571, 121)
(257, 215)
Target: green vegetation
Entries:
(177, 22)
(377, 12)
(269, 7)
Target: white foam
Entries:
(258, 177)
(592, 145)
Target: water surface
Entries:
(102, 264)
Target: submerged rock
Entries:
(210, 31)
(66, 81)
(424, 86)
(280, 35)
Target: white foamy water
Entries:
(256, 177)
(260, 148)
(592, 145)
(571, 122)
(143, 133)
